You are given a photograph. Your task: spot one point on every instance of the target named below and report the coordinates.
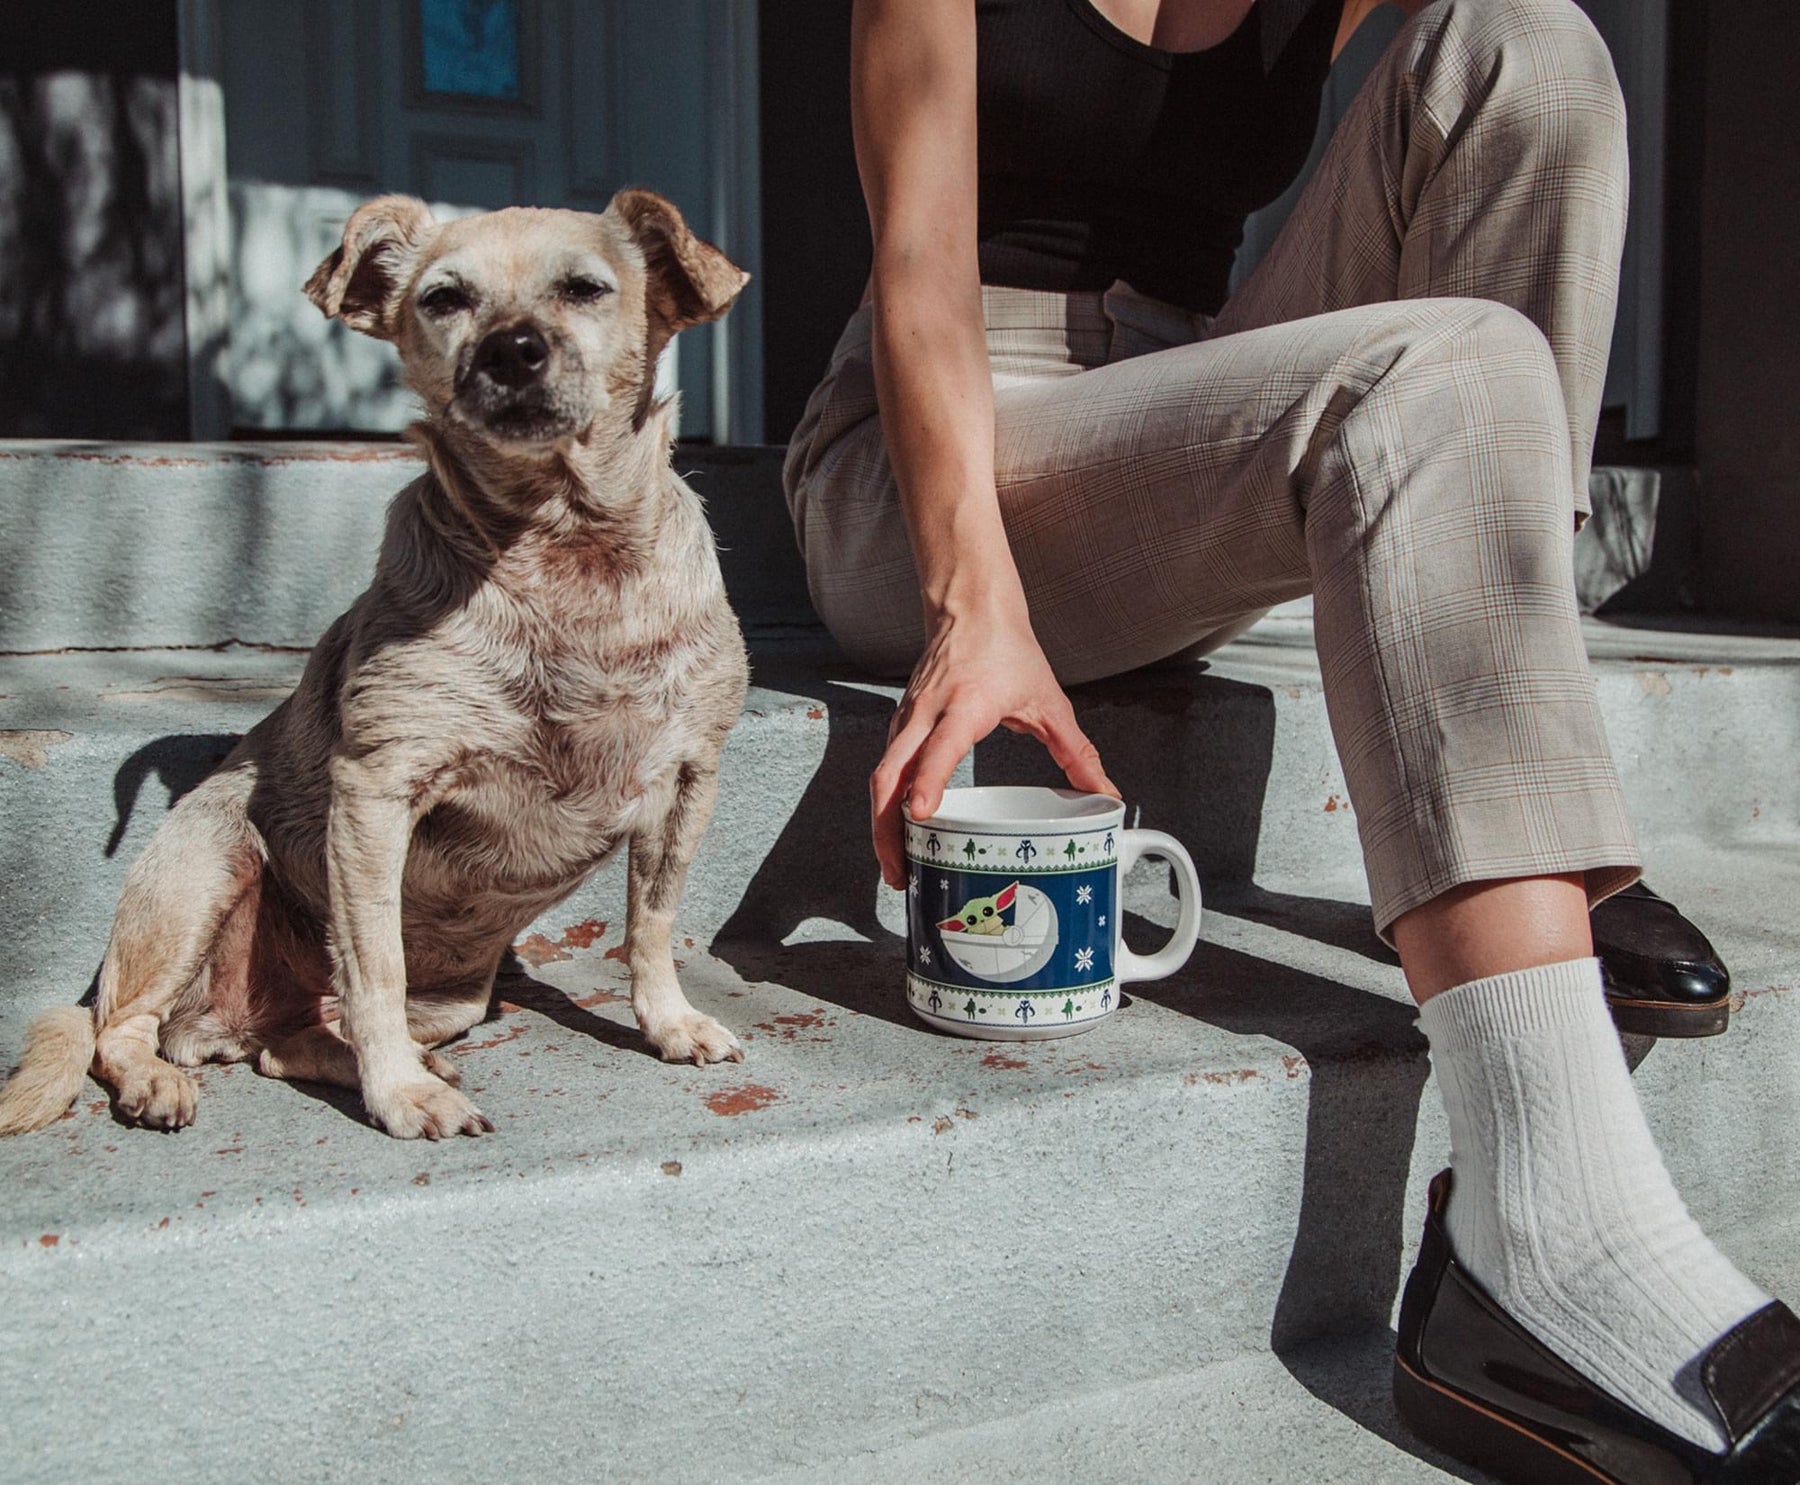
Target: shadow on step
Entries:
(1192, 753)
(1353, 1373)
(821, 867)
(179, 761)
(1366, 1061)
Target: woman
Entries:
(1050, 448)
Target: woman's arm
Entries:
(912, 84)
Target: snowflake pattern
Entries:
(1103, 920)
(924, 954)
(913, 886)
(1084, 894)
(1084, 961)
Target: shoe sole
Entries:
(1476, 1435)
(1669, 1018)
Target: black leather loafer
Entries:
(1662, 976)
(1471, 1381)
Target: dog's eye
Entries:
(445, 299)
(580, 290)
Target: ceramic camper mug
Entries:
(1013, 921)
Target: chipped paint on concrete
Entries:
(537, 950)
(30, 748)
(1654, 683)
(747, 1098)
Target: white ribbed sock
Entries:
(1561, 1206)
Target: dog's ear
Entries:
(361, 279)
(688, 282)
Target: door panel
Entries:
(470, 104)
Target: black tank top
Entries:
(1102, 157)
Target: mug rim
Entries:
(972, 809)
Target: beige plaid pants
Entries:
(1393, 414)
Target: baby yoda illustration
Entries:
(982, 914)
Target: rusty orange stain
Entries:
(788, 1028)
(943, 1124)
(422, 1179)
(49, 1240)
(237, 1149)
(747, 1099)
(162, 1224)
(600, 997)
(1294, 1063)
(509, 1036)
(98, 1106)
(815, 714)
(1000, 1059)
(584, 935)
(537, 950)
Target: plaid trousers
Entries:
(1395, 413)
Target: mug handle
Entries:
(1128, 966)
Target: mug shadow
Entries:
(818, 870)
(1192, 753)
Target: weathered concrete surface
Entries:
(150, 545)
(1235, 758)
(885, 1250)
(899, 1231)
(1322, 1414)
(864, 1236)
(870, 1252)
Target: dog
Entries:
(544, 667)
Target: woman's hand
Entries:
(980, 670)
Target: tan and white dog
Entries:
(545, 667)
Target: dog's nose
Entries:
(512, 357)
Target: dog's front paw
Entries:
(427, 1108)
(158, 1097)
(694, 1038)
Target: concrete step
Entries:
(1322, 1413)
(119, 546)
(131, 545)
(1168, 1248)
(864, 1238)
(869, 1248)
(1234, 757)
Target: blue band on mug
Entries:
(996, 929)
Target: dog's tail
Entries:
(59, 1048)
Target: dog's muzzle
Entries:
(507, 386)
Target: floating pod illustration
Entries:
(1004, 937)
